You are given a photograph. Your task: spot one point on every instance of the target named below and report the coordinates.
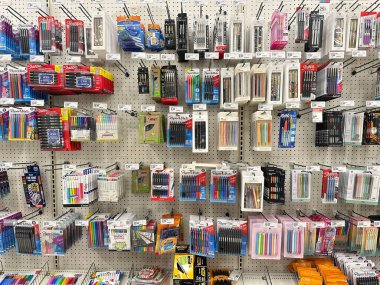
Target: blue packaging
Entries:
(211, 86)
(288, 128)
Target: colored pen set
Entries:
(353, 128)
(162, 185)
(329, 81)
(144, 236)
(326, 234)
(330, 182)
(107, 128)
(18, 278)
(288, 128)
(308, 78)
(7, 234)
(252, 191)
(242, 83)
(210, 86)
(50, 35)
(151, 128)
(202, 236)
(168, 234)
(33, 188)
(106, 277)
(111, 186)
(371, 129)
(63, 279)
(259, 83)
(279, 30)
(97, 231)
(293, 236)
(231, 237)
(179, 130)
(330, 131)
(274, 185)
(192, 86)
(261, 131)
(228, 127)
(223, 187)
(119, 231)
(192, 185)
(22, 124)
(300, 185)
(4, 124)
(82, 128)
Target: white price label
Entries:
(339, 169)
(265, 107)
(139, 223)
(221, 167)
(123, 107)
(372, 104)
(359, 53)
(277, 54)
(100, 171)
(58, 2)
(36, 58)
(81, 223)
(231, 56)
(317, 104)
(37, 103)
(73, 59)
(364, 224)
(373, 168)
(157, 166)
(146, 1)
(295, 105)
(211, 55)
(313, 168)
(148, 108)
(231, 106)
(317, 225)
(188, 166)
(132, 166)
(324, 8)
(199, 107)
(113, 56)
(167, 56)
(153, 56)
(138, 55)
(270, 225)
(253, 168)
(99, 105)
(70, 104)
(376, 224)
(6, 164)
(338, 224)
(5, 57)
(176, 109)
(262, 54)
(36, 4)
(7, 101)
(69, 167)
(349, 103)
(122, 1)
(294, 54)
(5, 2)
(313, 55)
(191, 56)
(336, 54)
(246, 55)
(222, 2)
(317, 115)
(299, 225)
(167, 221)
(200, 2)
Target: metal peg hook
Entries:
(64, 214)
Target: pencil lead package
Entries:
(162, 185)
(210, 86)
(192, 185)
(223, 186)
(288, 128)
(192, 86)
(168, 233)
(202, 236)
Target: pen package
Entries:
(367, 29)
(202, 236)
(258, 36)
(279, 30)
(4, 124)
(302, 25)
(258, 83)
(223, 186)
(7, 234)
(330, 131)
(107, 128)
(231, 237)
(266, 240)
(330, 181)
(151, 128)
(169, 31)
(377, 30)
(252, 191)
(228, 130)
(111, 186)
(182, 35)
(155, 83)
(353, 128)
(288, 129)
(50, 35)
(200, 132)
(355, 234)
(119, 231)
(352, 29)
(143, 235)
(221, 34)
(293, 237)
(7, 40)
(179, 130)
(369, 241)
(201, 34)
(169, 87)
(192, 86)
(74, 37)
(308, 79)
(175, 216)
(97, 231)
(336, 33)
(227, 87)
(325, 235)
(168, 233)
(210, 86)
(242, 83)
(275, 81)
(237, 33)
(261, 131)
(89, 54)
(310, 236)
(315, 40)
(33, 188)
(82, 128)
(274, 185)
(27, 234)
(155, 38)
(371, 132)
(291, 93)
(143, 80)
(162, 185)
(329, 81)
(300, 185)
(22, 124)
(130, 33)
(192, 185)
(141, 180)
(4, 182)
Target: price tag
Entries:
(69, 104)
(265, 107)
(317, 104)
(37, 103)
(139, 223)
(211, 55)
(294, 54)
(313, 55)
(7, 101)
(191, 56)
(132, 166)
(317, 225)
(299, 225)
(336, 54)
(98, 105)
(148, 108)
(364, 224)
(270, 225)
(122, 107)
(188, 166)
(69, 167)
(222, 2)
(5, 57)
(100, 171)
(6, 164)
(153, 56)
(295, 105)
(36, 4)
(373, 168)
(253, 168)
(359, 53)
(122, 1)
(277, 54)
(176, 109)
(113, 56)
(157, 166)
(73, 59)
(138, 55)
(317, 115)
(231, 56)
(338, 224)
(200, 2)
(376, 224)
(36, 58)
(372, 104)
(262, 54)
(313, 168)
(246, 55)
(81, 223)
(324, 8)
(167, 221)
(200, 107)
(339, 169)
(146, 1)
(221, 167)
(231, 106)
(350, 103)
(167, 56)
(58, 2)
(5, 2)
